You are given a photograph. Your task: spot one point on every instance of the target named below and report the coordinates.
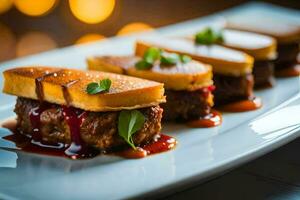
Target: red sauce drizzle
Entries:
(206, 91)
(289, 72)
(74, 120)
(35, 116)
(243, 106)
(211, 120)
(160, 144)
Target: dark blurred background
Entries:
(32, 26)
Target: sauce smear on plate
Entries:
(211, 120)
(243, 106)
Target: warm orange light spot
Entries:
(92, 37)
(5, 5)
(34, 7)
(92, 11)
(34, 42)
(134, 28)
(8, 43)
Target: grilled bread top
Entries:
(282, 30)
(68, 87)
(261, 47)
(223, 60)
(181, 76)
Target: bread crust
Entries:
(237, 63)
(190, 76)
(125, 92)
(261, 47)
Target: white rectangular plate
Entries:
(199, 154)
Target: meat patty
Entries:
(232, 88)
(186, 105)
(98, 129)
(287, 52)
(263, 73)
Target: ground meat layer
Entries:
(186, 105)
(232, 88)
(263, 72)
(287, 52)
(99, 129)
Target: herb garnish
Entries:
(102, 86)
(185, 58)
(169, 58)
(209, 36)
(129, 122)
(154, 54)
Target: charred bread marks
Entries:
(49, 83)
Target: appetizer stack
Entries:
(84, 110)
(261, 47)
(287, 36)
(84, 113)
(232, 70)
(188, 82)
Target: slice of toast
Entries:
(283, 30)
(189, 76)
(68, 87)
(261, 47)
(223, 60)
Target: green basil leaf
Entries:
(93, 88)
(129, 122)
(102, 86)
(105, 84)
(185, 58)
(169, 58)
(143, 65)
(209, 36)
(152, 54)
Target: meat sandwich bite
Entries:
(188, 82)
(84, 113)
(232, 70)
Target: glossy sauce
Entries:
(289, 72)
(34, 116)
(243, 106)
(160, 144)
(74, 119)
(211, 120)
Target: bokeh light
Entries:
(8, 43)
(88, 38)
(92, 11)
(35, 7)
(134, 28)
(5, 5)
(34, 42)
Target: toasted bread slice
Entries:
(282, 30)
(261, 47)
(125, 92)
(190, 76)
(223, 60)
